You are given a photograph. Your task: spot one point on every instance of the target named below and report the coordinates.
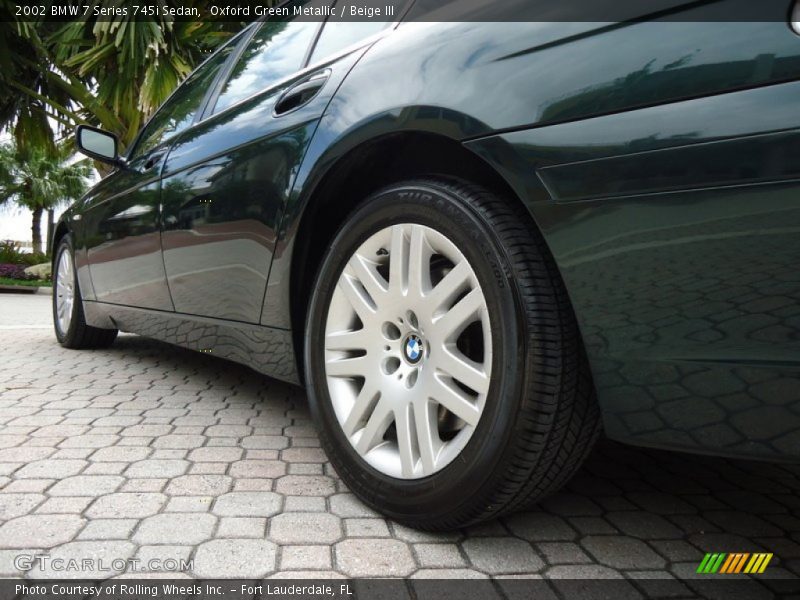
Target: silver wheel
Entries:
(65, 291)
(408, 351)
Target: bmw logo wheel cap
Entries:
(413, 349)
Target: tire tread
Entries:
(559, 419)
(80, 336)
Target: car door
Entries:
(227, 179)
(123, 216)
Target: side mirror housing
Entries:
(98, 144)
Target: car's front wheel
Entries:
(69, 320)
(445, 368)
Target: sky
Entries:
(15, 222)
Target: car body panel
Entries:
(501, 76)
(220, 214)
(265, 349)
(686, 287)
(226, 183)
(655, 158)
(644, 138)
(122, 236)
(70, 222)
(497, 65)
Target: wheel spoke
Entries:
(456, 401)
(463, 370)
(348, 367)
(366, 273)
(398, 262)
(356, 297)
(376, 426)
(465, 311)
(364, 404)
(348, 340)
(427, 435)
(405, 439)
(419, 271)
(448, 288)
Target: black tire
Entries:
(78, 334)
(540, 418)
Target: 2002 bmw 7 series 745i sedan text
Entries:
(477, 245)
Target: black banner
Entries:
(602, 11)
(730, 588)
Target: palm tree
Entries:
(112, 72)
(40, 181)
(25, 114)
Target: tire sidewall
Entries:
(470, 476)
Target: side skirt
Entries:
(267, 350)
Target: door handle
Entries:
(301, 93)
(153, 160)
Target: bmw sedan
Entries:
(477, 245)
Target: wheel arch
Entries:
(65, 227)
(60, 232)
(386, 159)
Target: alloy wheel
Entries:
(65, 291)
(408, 351)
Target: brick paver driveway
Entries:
(146, 450)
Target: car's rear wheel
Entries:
(68, 318)
(445, 368)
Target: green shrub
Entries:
(25, 282)
(10, 253)
(34, 258)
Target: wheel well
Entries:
(61, 231)
(366, 169)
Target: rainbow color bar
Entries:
(735, 562)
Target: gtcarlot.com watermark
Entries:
(25, 562)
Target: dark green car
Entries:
(478, 245)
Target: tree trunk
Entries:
(36, 232)
(50, 230)
(103, 168)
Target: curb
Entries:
(18, 289)
(26, 289)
